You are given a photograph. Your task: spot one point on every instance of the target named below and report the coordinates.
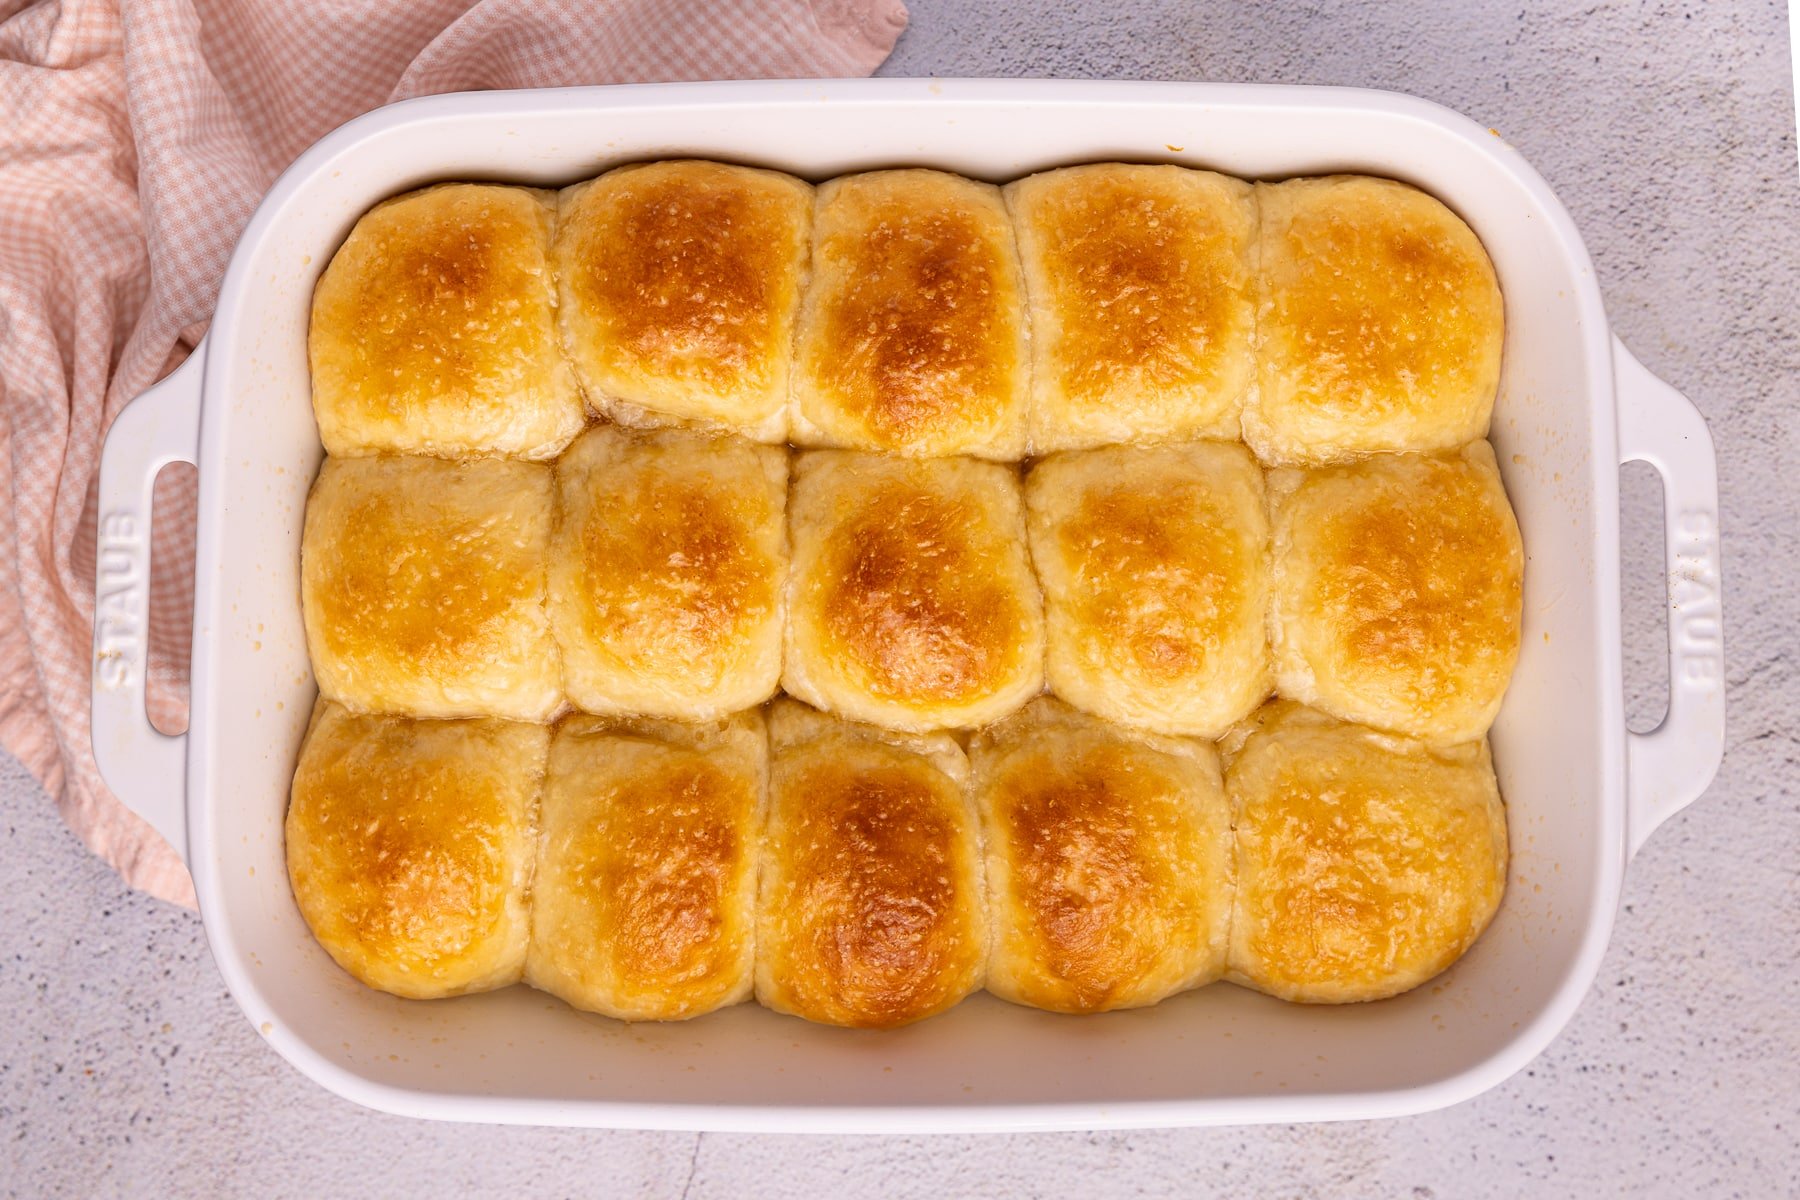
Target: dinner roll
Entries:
(666, 575)
(409, 847)
(645, 900)
(911, 600)
(1108, 861)
(1397, 584)
(870, 909)
(679, 284)
(912, 331)
(1141, 305)
(1154, 565)
(1379, 327)
(422, 587)
(433, 330)
(1366, 863)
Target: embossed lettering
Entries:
(118, 611)
(1696, 525)
(1702, 669)
(1694, 598)
(115, 560)
(114, 669)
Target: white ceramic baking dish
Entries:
(1582, 792)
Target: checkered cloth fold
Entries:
(135, 140)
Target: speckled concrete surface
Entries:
(1668, 129)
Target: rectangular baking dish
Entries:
(1582, 791)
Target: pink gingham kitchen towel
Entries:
(135, 140)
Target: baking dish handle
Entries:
(1671, 766)
(145, 768)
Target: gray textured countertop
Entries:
(1668, 129)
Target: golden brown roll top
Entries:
(1371, 322)
(422, 586)
(1108, 861)
(679, 284)
(870, 908)
(1397, 592)
(1154, 565)
(1141, 302)
(667, 572)
(1380, 323)
(1366, 863)
(836, 869)
(911, 604)
(912, 332)
(433, 330)
(409, 848)
(644, 905)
